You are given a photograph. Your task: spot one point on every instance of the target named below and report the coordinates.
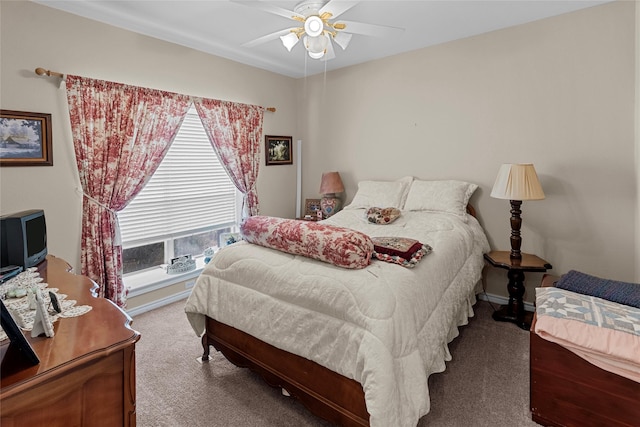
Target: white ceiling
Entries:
(221, 27)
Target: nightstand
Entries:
(514, 311)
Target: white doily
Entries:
(23, 315)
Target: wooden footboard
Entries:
(325, 393)
(566, 390)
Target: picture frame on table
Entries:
(25, 139)
(311, 207)
(278, 150)
(23, 349)
(227, 239)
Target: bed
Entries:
(575, 385)
(355, 346)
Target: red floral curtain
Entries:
(121, 134)
(235, 131)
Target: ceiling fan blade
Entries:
(371, 29)
(342, 39)
(337, 7)
(268, 37)
(330, 53)
(262, 5)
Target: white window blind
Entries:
(189, 192)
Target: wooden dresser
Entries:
(86, 375)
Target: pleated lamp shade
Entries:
(331, 183)
(517, 182)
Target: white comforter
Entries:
(385, 326)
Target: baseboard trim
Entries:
(158, 303)
(500, 300)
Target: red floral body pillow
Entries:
(339, 246)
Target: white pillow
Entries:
(448, 196)
(381, 194)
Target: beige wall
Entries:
(557, 92)
(37, 36)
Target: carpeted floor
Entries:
(486, 383)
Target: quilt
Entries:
(605, 333)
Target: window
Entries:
(184, 207)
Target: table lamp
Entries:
(330, 185)
(517, 182)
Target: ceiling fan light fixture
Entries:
(313, 26)
(316, 45)
(314, 55)
(342, 39)
(289, 41)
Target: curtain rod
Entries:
(42, 72)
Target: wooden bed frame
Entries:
(566, 390)
(325, 393)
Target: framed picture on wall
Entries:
(278, 150)
(25, 139)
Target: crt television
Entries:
(23, 238)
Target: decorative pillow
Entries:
(409, 261)
(396, 246)
(448, 196)
(620, 292)
(336, 245)
(381, 193)
(382, 216)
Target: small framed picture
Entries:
(278, 150)
(311, 207)
(25, 139)
(18, 340)
(227, 239)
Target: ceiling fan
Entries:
(318, 26)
